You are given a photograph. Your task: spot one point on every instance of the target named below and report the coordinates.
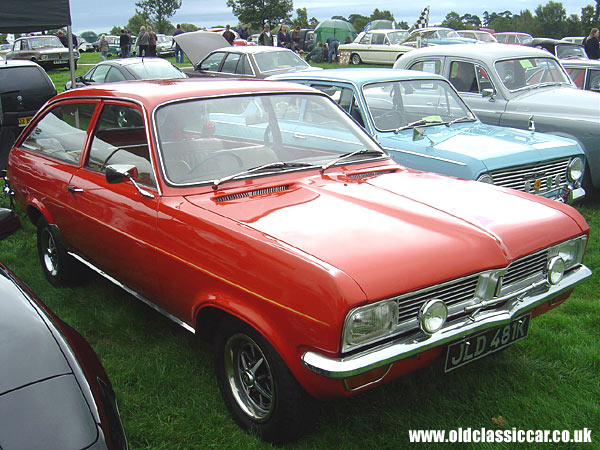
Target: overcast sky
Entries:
(101, 16)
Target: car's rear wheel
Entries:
(355, 58)
(58, 266)
(258, 389)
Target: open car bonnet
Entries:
(197, 44)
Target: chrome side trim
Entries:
(134, 293)
(407, 346)
(425, 156)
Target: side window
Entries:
(99, 74)
(462, 76)
(120, 138)
(114, 75)
(244, 66)
(433, 66)
(366, 39)
(594, 80)
(483, 79)
(378, 39)
(61, 133)
(212, 62)
(577, 75)
(231, 63)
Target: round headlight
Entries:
(485, 178)
(556, 270)
(44, 57)
(575, 169)
(432, 316)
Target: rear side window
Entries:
(434, 66)
(61, 133)
(212, 62)
(577, 75)
(30, 79)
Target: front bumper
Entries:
(517, 304)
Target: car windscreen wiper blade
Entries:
(460, 119)
(430, 120)
(364, 151)
(269, 166)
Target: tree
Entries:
(526, 23)
(313, 22)
(471, 21)
(587, 19)
(552, 19)
(381, 15)
(160, 11)
(137, 20)
(256, 12)
(188, 27)
(302, 18)
(358, 21)
(573, 26)
(453, 20)
(340, 18)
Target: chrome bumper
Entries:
(407, 346)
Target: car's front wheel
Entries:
(59, 267)
(258, 389)
(355, 58)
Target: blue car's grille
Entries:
(534, 179)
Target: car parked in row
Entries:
(124, 69)
(54, 392)
(212, 56)
(24, 88)
(431, 36)
(164, 45)
(377, 46)
(46, 50)
(480, 35)
(520, 87)
(585, 73)
(423, 123)
(563, 50)
(513, 38)
(259, 214)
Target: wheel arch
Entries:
(35, 209)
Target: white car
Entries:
(377, 46)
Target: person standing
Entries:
(245, 34)
(152, 39)
(178, 50)
(142, 42)
(296, 39)
(124, 44)
(591, 45)
(283, 37)
(266, 38)
(63, 39)
(228, 34)
(103, 47)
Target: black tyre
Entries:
(58, 266)
(355, 59)
(260, 392)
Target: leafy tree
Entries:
(402, 25)
(188, 27)
(587, 19)
(552, 19)
(471, 21)
(256, 12)
(358, 21)
(116, 30)
(313, 22)
(381, 15)
(302, 18)
(340, 18)
(573, 26)
(137, 20)
(453, 20)
(160, 11)
(526, 23)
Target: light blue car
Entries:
(423, 123)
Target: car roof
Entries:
(512, 33)
(492, 51)
(592, 63)
(135, 60)
(17, 63)
(551, 41)
(250, 49)
(154, 92)
(359, 75)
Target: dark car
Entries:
(24, 88)
(54, 392)
(128, 69)
(46, 50)
(563, 50)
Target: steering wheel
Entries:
(219, 154)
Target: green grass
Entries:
(168, 396)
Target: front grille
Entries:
(534, 179)
(461, 292)
(525, 267)
(226, 198)
(452, 293)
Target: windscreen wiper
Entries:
(364, 151)
(273, 165)
(460, 119)
(431, 120)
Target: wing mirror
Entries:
(117, 173)
(488, 92)
(419, 133)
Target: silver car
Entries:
(519, 87)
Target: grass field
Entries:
(168, 396)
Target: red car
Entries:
(259, 214)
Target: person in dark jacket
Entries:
(283, 37)
(124, 44)
(318, 54)
(266, 38)
(591, 45)
(228, 34)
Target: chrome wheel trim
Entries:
(356, 59)
(249, 376)
(50, 252)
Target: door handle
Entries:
(298, 136)
(72, 189)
